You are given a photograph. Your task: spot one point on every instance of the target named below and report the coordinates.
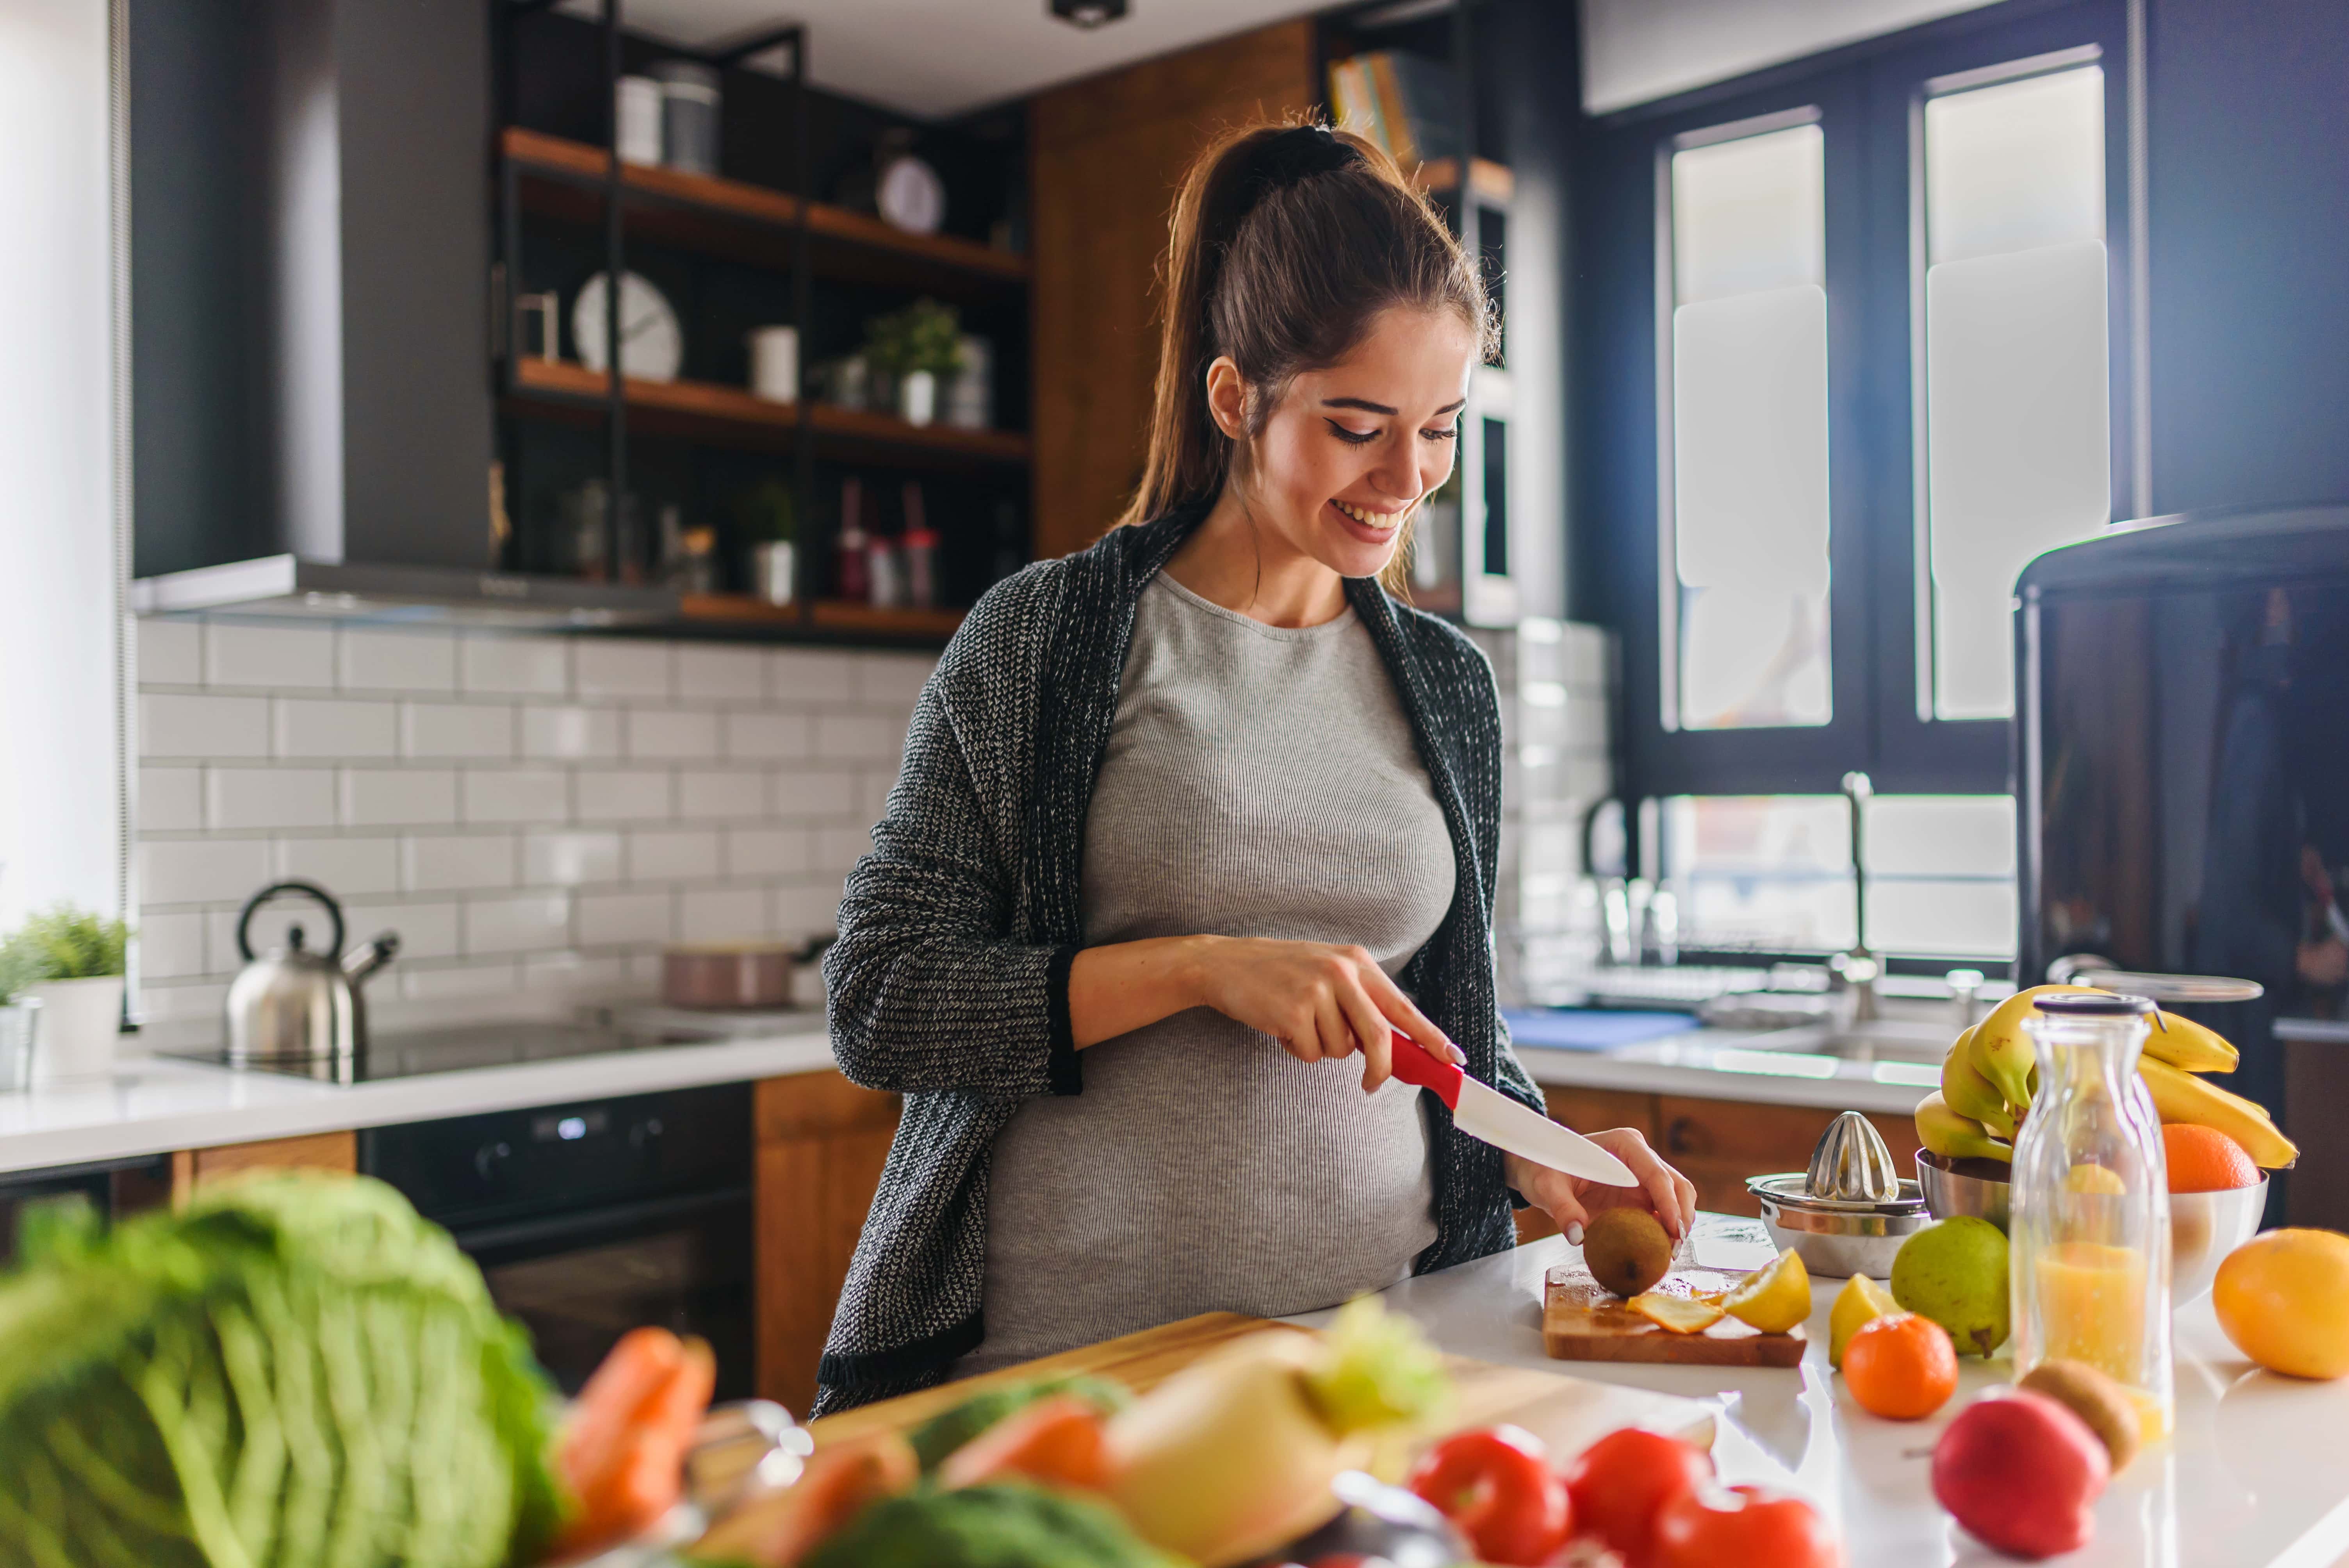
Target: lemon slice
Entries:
(1681, 1313)
(1774, 1298)
(1862, 1301)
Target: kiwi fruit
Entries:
(2095, 1399)
(1625, 1249)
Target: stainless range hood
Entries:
(288, 587)
(312, 416)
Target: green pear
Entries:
(1954, 1272)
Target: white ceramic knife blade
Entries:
(1486, 1114)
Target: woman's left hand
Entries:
(1571, 1200)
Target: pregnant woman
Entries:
(1188, 820)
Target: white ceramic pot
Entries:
(917, 397)
(80, 1022)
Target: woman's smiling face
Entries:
(1350, 450)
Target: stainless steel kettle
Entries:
(297, 1004)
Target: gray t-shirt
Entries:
(1259, 781)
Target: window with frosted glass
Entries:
(2016, 425)
(1745, 568)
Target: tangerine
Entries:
(1902, 1366)
(2205, 1159)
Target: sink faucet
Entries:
(1857, 968)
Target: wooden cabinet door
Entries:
(1718, 1143)
(1588, 1110)
(822, 1143)
(311, 1152)
(1105, 156)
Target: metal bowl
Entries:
(1962, 1187)
(1837, 1240)
(2204, 1227)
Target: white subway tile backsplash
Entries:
(519, 666)
(170, 946)
(201, 871)
(721, 914)
(269, 797)
(614, 919)
(170, 652)
(671, 733)
(398, 797)
(518, 925)
(712, 673)
(570, 732)
(527, 811)
(766, 851)
(858, 736)
(342, 865)
(620, 667)
(717, 797)
(453, 729)
(669, 856)
(624, 795)
(199, 1002)
(570, 859)
(807, 797)
(325, 727)
(172, 725)
(171, 800)
(892, 679)
(767, 736)
(450, 862)
(397, 661)
(277, 658)
(536, 794)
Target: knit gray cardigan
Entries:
(950, 979)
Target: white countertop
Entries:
(2254, 1477)
(165, 1103)
(1727, 1064)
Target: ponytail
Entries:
(1286, 242)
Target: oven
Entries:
(591, 1218)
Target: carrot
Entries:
(777, 1529)
(1061, 1438)
(632, 1372)
(675, 1408)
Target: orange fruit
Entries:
(1901, 1366)
(2283, 1298)
(2205, 1159)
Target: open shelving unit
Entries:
(566, 207)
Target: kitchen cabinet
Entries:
(190, 1167)
(1105, 156)
(822, 1143)
(1718, 1143)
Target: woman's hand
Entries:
(1322, 1002)
(1571, 1200)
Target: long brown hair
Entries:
(1287, 241)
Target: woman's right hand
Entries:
(1322, 1001)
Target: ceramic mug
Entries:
(775, 363)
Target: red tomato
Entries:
(1496, 1484)
(1618, 1482)
(1749, 1526)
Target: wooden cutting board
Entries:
(1582, 1320)
(1568, 1413)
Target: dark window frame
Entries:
(1868, 101)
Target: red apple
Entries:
(2022, 1472)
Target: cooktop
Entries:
(475, 1046)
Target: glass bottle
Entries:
(2089, 1204)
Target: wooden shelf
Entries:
(731, 416)
(563, 178)
(828, 614)
(1493, 182)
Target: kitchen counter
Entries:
(2253, 1478)
(164, 1103)
(1735, 1065)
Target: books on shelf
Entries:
(1407, 103)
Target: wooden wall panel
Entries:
(1105, 156)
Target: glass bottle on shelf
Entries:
(2089, 1223)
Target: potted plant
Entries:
(916, 344)
(69, 961)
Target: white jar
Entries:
(775, 363)
(81, 1020)
(917, 397)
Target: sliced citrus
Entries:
(1774, 1298)
(1681, 1313)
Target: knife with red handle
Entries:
(1485, 1113)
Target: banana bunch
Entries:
(1988, 1080)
